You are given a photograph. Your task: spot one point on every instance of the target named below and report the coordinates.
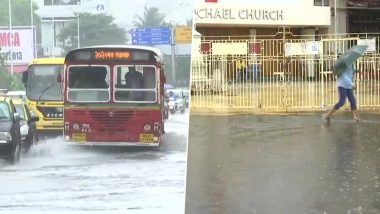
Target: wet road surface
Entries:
(283, 164)
(56, 178)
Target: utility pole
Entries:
(335, 18)
(78, 32)
(336, 29)
(78, 25)
(53, 34)
(32, 29)
(173, 53)
(10, 28)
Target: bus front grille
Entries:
(51, 112)
(111, 119)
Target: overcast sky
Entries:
(124, 11)
(175, 10)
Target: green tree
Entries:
(151, 18)
(7, 81)
(96, 29)
(20, 15)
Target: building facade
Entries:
(306, 17)
(263, 55)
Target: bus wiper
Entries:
(44, 90)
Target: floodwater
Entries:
(57, 178)
(283, 164)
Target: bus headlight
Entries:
(5, 136)
(155, 139)
(76, 126)
(67, 126)
(147, 127)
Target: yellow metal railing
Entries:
(283, 73)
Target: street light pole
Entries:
(173, 53)
(53, 34)
(335, 18)
(78, 34)
(10, 27)
(335, 29)
(32, 29)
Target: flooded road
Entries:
(56, 178)
(283, 164)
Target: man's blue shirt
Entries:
(345, 80)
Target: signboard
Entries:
(110, 55)
(370, 42)
(264, 14)
(61, 2)
(151, 36)
(94, 6)
(239, 48)
(303, 48)
(70, 10)
(183, 35)
(16, 46)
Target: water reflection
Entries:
(282, 164)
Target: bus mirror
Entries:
(25, 77)
(34, 119)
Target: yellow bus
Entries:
(42, 82)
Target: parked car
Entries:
(28, 130)
(10, 136)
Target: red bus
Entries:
(114, 95)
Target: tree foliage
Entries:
(151, 18)
(20, 15)
(96, 29)
(7, 81)
(182, 69)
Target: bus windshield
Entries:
(135, 83)
(43, 83)
(89, 83)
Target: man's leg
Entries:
(342, 99)
(352, 100)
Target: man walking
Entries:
(346, 88)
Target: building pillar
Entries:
(340, 18)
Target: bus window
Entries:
(42, 82)
(135, 83)
(89, 83)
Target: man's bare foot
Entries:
(326, 118)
